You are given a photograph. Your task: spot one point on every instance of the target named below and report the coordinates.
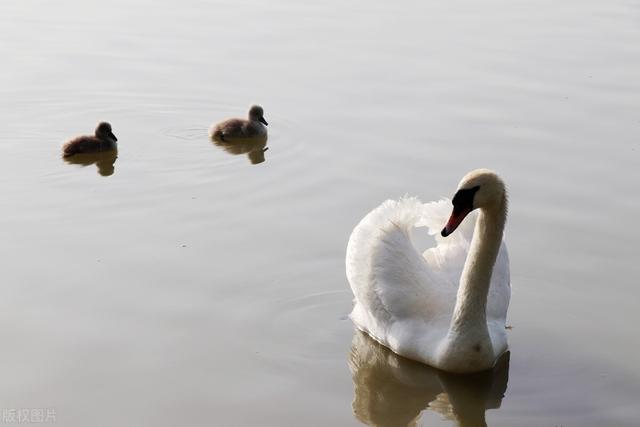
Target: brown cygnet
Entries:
(241, 128)
(103, 140)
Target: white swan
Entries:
(447, 307)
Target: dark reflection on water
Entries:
(254, 147)
(104, 161)
(392, 391)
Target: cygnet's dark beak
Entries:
(262, 120)
(113, 136)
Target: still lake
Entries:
(186, 285)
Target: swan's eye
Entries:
(463, 199)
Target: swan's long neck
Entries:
(470, 312)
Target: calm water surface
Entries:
(184, 285)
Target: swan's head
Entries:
(103, 131)
(481, 188)
(256, 113)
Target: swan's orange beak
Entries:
(454, 221)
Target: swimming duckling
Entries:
(240, 128)
(104, 140)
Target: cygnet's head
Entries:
(103, 131)
(256, 113)
(481, 188)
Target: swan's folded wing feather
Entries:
(386, 272)
(401, 275)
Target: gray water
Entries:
(189, 286)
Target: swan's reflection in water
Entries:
(392, 391)
(104, 160)
(253, 147)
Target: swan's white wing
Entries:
(388, 276)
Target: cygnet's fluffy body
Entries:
(255, 126)
(102, 140)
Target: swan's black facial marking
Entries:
(463, 199)
(462, 205)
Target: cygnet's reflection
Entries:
(103, 160)
(254, 147)
(392, 391)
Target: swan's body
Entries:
(255, 126)
(103, 140)
(447, 307)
